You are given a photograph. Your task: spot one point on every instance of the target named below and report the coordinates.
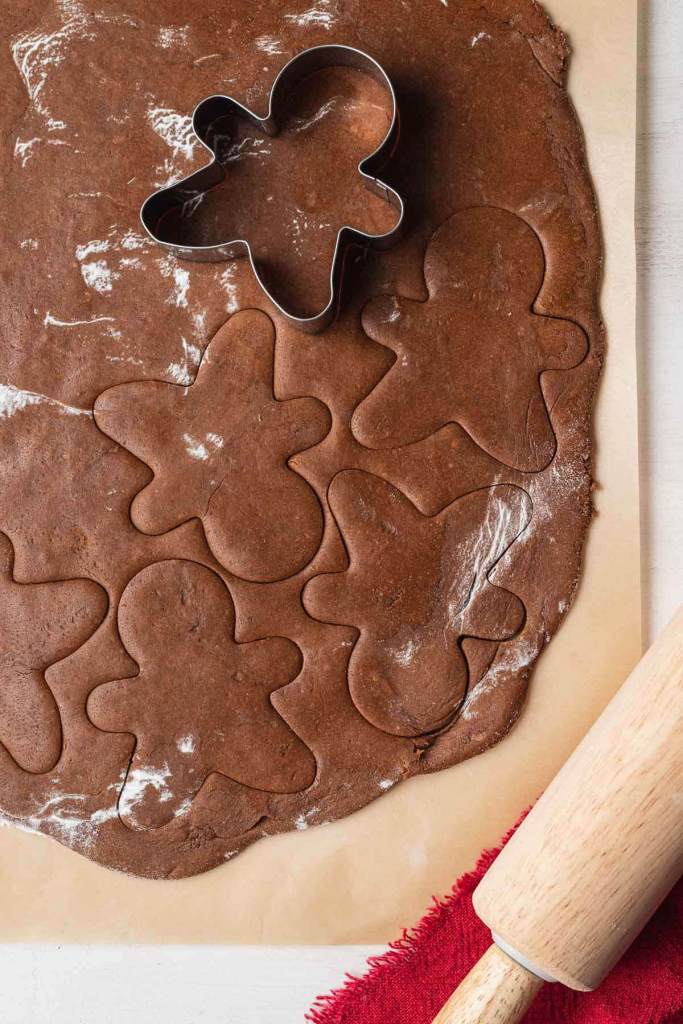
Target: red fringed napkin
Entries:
(410, 983)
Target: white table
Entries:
(180, 985)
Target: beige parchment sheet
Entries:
(362, 879)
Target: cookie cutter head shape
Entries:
(183, 196)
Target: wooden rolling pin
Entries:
(595, 857)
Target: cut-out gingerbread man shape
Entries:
(473, 353)
(63, 615)
(200, 702)
(414, 587)
(219, 448)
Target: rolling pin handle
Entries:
(498, 990)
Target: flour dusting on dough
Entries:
(96, 245)
(170, 268)
(199, 324)
(139, 781)
(23, 150)
(514, 656)
(302, 124)
(183, 372)
(99, 276)
(303, 821)
(200, 449)
(209, 56)
(53, 321)
(175, 129)
(319, 14)
(134, 240)
(171, 37)
(268, 44)
(97, 273)
(181, 278)
(36, 53)
(195, 448)
(395, 311)
(227, 282)
(186, 745)
(59, 815)
(499, 530)
(13, 400)
(405, 654)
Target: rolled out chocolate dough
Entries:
(250, 579)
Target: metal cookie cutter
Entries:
(188, 192)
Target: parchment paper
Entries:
(360, 880)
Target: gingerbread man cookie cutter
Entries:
(188, 192)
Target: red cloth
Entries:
(412, 981)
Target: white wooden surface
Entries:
(180, 985)
(659, 224)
